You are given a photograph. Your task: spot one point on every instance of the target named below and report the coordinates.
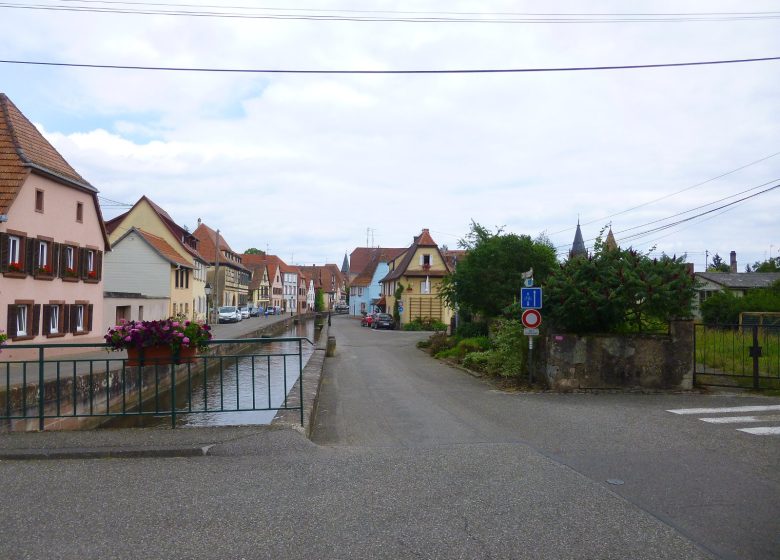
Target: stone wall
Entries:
(621, 361)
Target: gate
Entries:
(241, 375)
(741, 356)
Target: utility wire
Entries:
(447, 17)
(453, 71)
(671, 194)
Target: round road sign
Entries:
(532, 318)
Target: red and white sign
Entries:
(532, 318)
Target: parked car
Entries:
(270, 310)
(244, 312)
(341, 308)
(383, 321)
(255, 311)
(367, 320)
(229, 314)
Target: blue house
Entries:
(365, 291)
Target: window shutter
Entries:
(88, 309)
(36, 320)
(3, 252)
(56, 248)
(61, 255)
(28, 246)
(47, 319)
(82, 264)
(66, 325)
(421, 260)
(11, 330)
(99, 264)
(35, 254)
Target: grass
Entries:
(727, 351)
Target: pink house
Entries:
(52, 240)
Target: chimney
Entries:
(733, 263)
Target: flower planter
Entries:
(159, 355)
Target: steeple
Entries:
(345, 266)
(578, 247)
(610, 243)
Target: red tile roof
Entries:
(361, 257)
(207, 239)
(23, 150)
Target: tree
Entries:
(489, 279)
(769, 265)
(319, 300)
(254, 251)
(718, 265)
(617, 290)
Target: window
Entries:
(38, 200)
(140, 312)
(54, 319)
(15, 254)
(425, 261)
(425, 287)
(90, 260)
(69, 262)
(79, 212)
(21, 320)
(78, 318)
(44, 263)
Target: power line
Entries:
(672, 194)
(641, 234)
(453, 71)
(402, 17)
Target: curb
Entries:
(105, 453)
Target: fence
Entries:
(746, 356)
(65, 391)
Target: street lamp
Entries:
(207, 289)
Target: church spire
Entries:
(578, 247)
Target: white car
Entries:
(244, 312)
(229, 314)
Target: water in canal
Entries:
(224, 397)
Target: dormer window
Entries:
(425, 261)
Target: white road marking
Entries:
(775, 430)
(726, 409)
(741, 419)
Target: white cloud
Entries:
(306, 163)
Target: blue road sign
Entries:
(531, 298)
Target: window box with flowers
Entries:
(16, 267)
(168, 341)
(92, 275)
(44, 271)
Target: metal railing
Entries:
(234, 375)
(746, 356)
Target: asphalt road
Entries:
(411, 459)
(713, 486)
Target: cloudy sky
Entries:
(313, 165)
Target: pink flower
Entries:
(185, 340)
(128, 338)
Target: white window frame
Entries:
(90, 260)
(43, 253)
(70, 257)
(54, 319)
(79, 310)
(425, 287)
(14, 249)
(21, 320)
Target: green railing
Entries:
(234, 375)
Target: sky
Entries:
(310, 166)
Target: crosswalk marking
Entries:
(775, 430)
(726, 409)
(741, 419)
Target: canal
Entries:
(222, 397)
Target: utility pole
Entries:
(706, 259)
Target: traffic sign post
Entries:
(531, 302)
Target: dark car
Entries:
(256, 311)
(383, 321)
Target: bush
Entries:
(470, 330)
(464, 347)
(724, 307)
(510, 349)
(477, 361)
(425, 324)
(440, 342)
